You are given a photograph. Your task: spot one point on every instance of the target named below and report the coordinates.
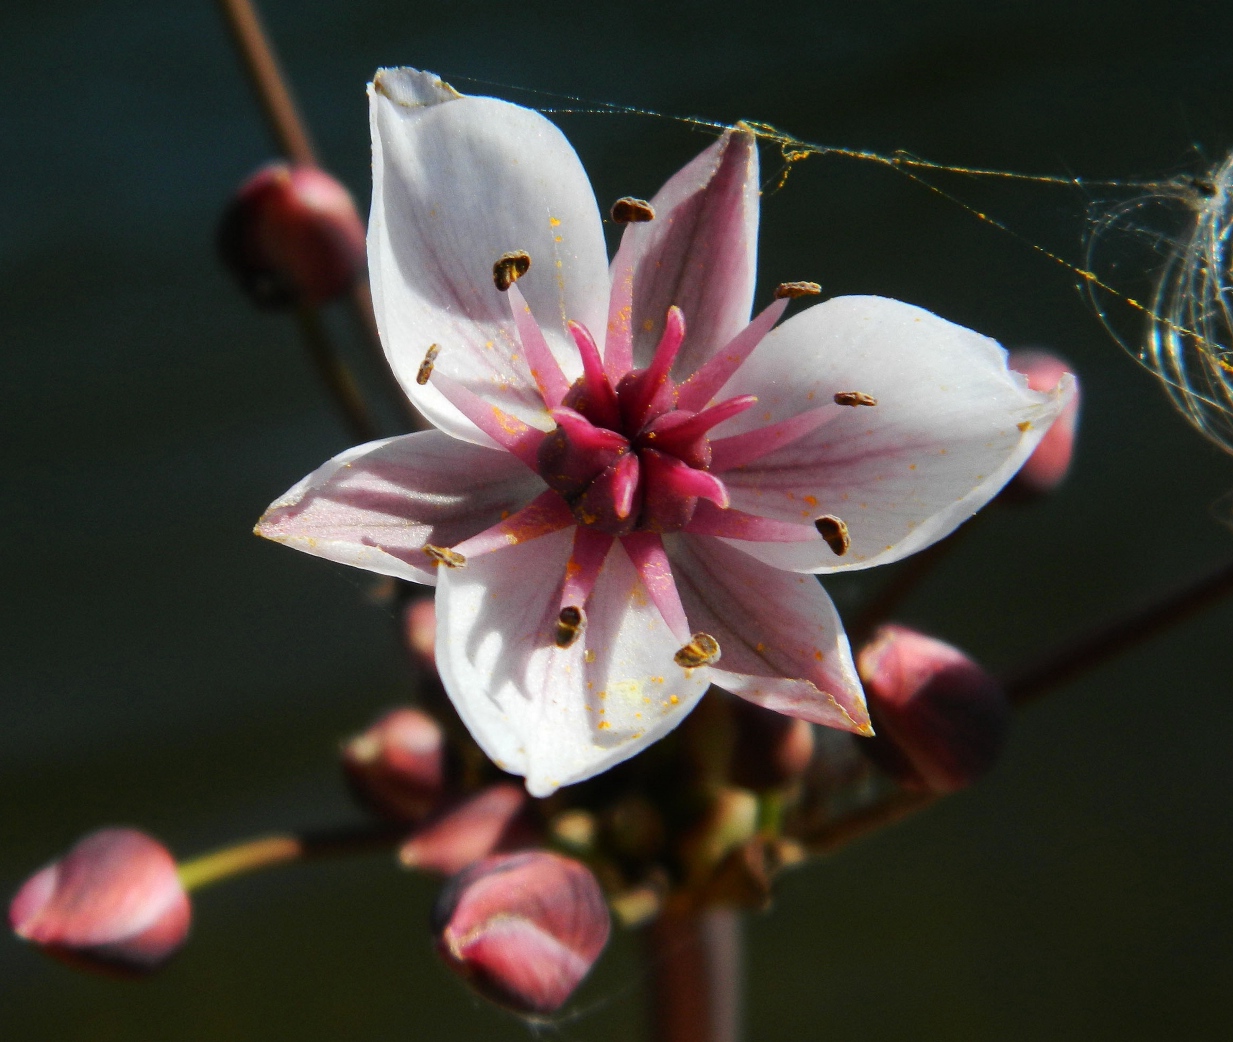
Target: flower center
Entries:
(626, 458)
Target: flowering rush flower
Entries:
(632, 483)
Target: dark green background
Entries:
(164, 668)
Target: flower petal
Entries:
(377, 505)
(457, 183)
(699, 253)
(951, 425)
(558, 715)
(782, 642)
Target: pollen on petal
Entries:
(835, 532)
(509, 268)
(444, 555)
(425, 370)
(702, 650)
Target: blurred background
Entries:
(163, 668)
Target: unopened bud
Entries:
(397, 766)
(112, 902)
(419, 628)
(524, 929)
(941, 721)
(1048, 464)
(491, 820)
(291, 234)
(770, 749)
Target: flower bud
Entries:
(941, 721)
(112, 902)
(397, 767)
(291, 234)
(523, 929)
(1046, 467)
(419, 627)
(771, 749)
(491, 820)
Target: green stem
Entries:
(255, 855)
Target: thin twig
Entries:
(1041, 675)
(337, 378)
(694, 958)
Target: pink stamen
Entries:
(507, 431)
(741, 449)
(583, 434)
(673, 435)
(588, 556)
(700, 388)
(646, 551)
(545, 514)
(736, 524)
(641, 390)
(670, 480)
(600, 397)
(540, 360)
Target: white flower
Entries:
(632, 484)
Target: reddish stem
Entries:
(694, 959)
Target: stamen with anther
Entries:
(569, 625)
(509, 268)
(835, 532)
(702, 650)
(792, 290)
(855, 398)
(444, 555)
(628, 210)
(425, 370)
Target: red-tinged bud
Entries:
(941, 720)
(291, 234)
(1046, 468)
(419, 627)
(524, 929)
(771, 750)
(397, 766)
(492, 820)
(113, 902)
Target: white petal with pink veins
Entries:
(457, 183)
(951, 426)
(377, 505)
(781, 642)
(699, 253)
(558, 715)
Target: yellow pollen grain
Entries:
(674, 700)
(589, 655)
(818, 655)
(811, 500)
(648, 324)
(759, 647)
(603, 725)
(558, 238)
(911, 466)
(1024, 427)
(554, 222)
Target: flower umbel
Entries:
(632, 481)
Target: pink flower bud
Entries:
(1046, 467)
(397, 766)
(941, 720)
(419, 627)
(291, 233)
(112, 902)
(523, 929)
(771, 749)
(491, 820)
